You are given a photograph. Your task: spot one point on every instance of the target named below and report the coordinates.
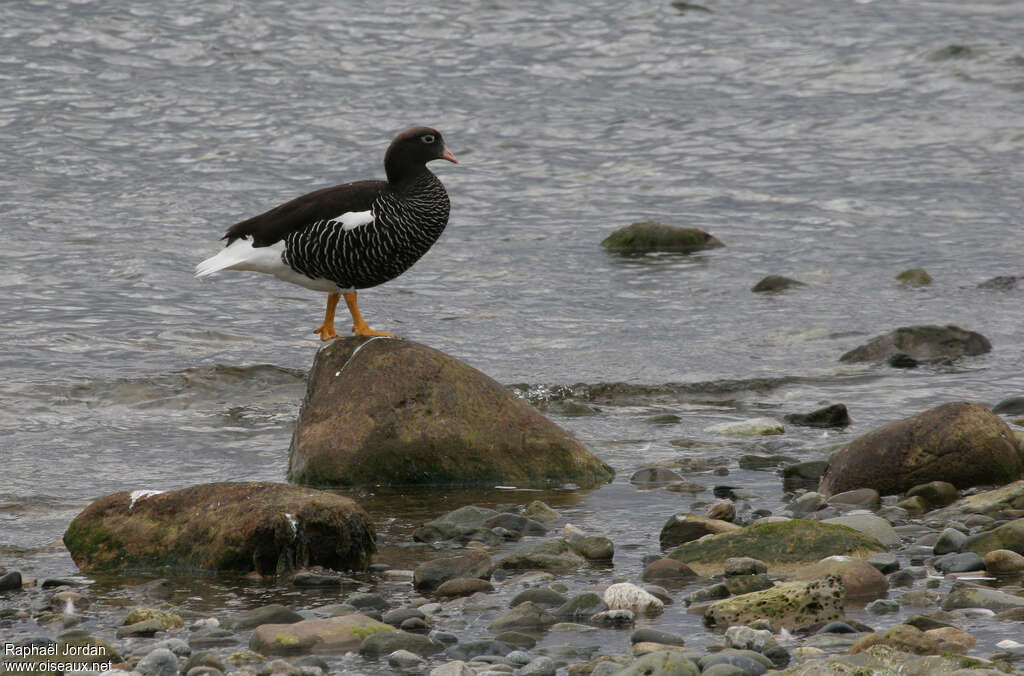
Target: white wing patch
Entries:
(350, 220)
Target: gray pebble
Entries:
(882, 607)
(159, 662)
(539, 666)
(403, 659)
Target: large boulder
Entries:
(921, 343)
(962, 443)
(783, 546)
(384, 411)
(651, 236)
(268, 528)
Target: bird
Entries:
(348, 237)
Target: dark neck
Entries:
(403, 179)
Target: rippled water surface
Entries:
(837, 143)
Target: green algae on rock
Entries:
(782, 546)
(332, 635)
(392, 412)
(651, 236)
(269, 528)
(789, 605)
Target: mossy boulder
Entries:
(1010, 496)
(558, 555)
(335, 635)
(383, 411)
(962, 443)
(783, 546)
(1007, 536)
(268, 528)
(789, 605)
(651, 236)
(921, 343)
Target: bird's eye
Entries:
(428, 138)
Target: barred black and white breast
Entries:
(360, 249)
(352, 236)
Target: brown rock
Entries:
(689, 527)
(949, 636)
(1003, 562)
(386, 411)
(921, 343)
(962, 443)
(668, 572)
(430, 575)
(463, 586)
(268, 528)
(861, 580)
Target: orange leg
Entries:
(326, 329)
(359, 325)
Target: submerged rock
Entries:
(668, 572)
(393, 412)
(787, 605)
(430, 575)
(1000, 283)
(463, 524)
(922, 343)
(651, 236)
(782, 546)
(748, 428)
(835, 415)
(268, 528)
(981, 597)
(387, 642)
(914, 277)
(962, 443)
(775, 283)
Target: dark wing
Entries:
(326, 203)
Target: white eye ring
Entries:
(428, 138)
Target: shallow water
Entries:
(836, 145)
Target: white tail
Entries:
(242, 255)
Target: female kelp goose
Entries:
(351, 236)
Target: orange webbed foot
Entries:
(326, 332)
(365, 330)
